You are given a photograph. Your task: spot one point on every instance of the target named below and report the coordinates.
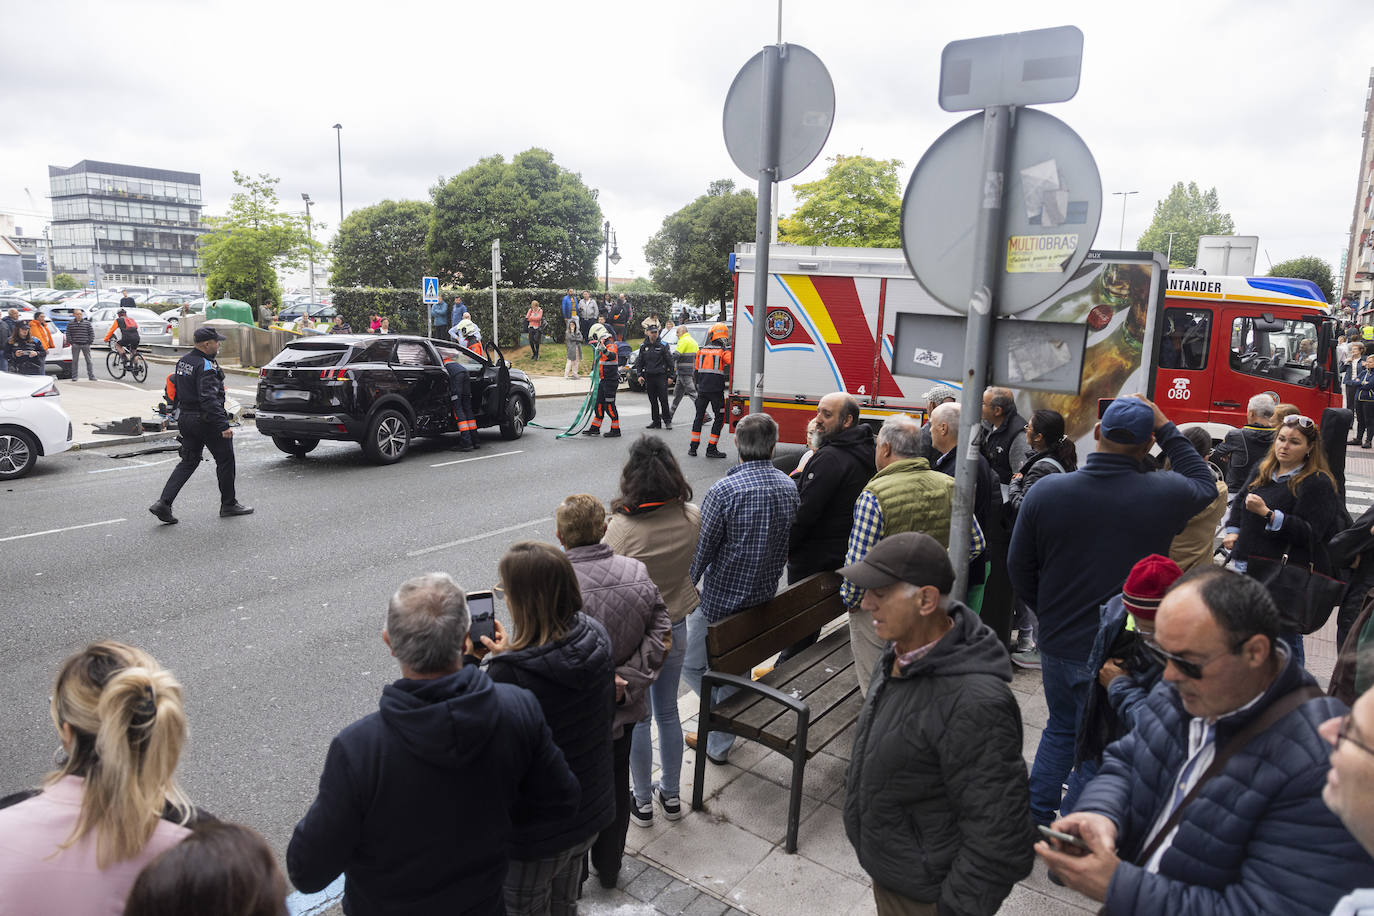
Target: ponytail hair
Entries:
(128, 727)
(1049, 425)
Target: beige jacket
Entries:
(1194, 545)
(664, 540)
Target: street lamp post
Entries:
(338, 135)
(1121, 239)
(47, 245)
(612, 252)
(310, 235)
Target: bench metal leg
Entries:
(798, 771)
(703, 730)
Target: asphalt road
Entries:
(272, 622)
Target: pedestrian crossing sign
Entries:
(432, 291)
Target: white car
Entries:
(152, 327)
(32, 423)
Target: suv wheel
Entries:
(513, 423)
(388, 437)
(295, 445)
(18, 453)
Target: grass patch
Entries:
(553, 357)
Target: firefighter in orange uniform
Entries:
(711, 370)
(608, 376)
(460, 397)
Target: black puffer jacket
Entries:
(1240, 451)
(829, 485)
(574, 681)
(936, 803)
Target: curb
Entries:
(163, 436)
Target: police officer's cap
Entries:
(207, 333)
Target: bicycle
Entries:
(131, 361)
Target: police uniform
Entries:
(608, 375)
(654, 366)
(460, 397)
(711, 369)
(202, 419)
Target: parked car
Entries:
(152, 327)
(381, 392)
(32, 423)
(316, 310)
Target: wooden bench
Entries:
(802, 704)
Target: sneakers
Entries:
(654, 425)
(713, 452)
(1024, 643)
(1029, 659)
(671, 805)
(613, 434)
(233, 509)
(163, 512)
(642, 813)
(591, 431)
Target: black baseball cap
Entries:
(208, 333)
(911, 556)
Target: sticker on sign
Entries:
(932, 358)
(1040, 254)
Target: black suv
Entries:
(381, 391)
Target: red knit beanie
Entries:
(1147, 583)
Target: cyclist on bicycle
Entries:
(125, 333)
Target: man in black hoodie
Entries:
(936, 801)
(416, 799)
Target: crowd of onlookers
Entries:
(1189, 764)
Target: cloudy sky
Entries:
(1261, 100)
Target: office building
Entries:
(126, 224)
(1357, 290)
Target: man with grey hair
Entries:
(746, 518)
(905, 495)
(940, 394)
(1244, 448)
(448, 750)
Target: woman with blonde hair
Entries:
(112, 804)
(1288, 505)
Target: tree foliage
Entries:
(1189, 214)
(689, 256)
(548, 221)
(637, 285)
(382, 245)
(1309, 267)
(246, 247)
(65, 281)
(858, 203)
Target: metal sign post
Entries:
(495, 279)
(429, 296)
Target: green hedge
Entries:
(408, 314)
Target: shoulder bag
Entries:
(1305, 596)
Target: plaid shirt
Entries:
(868, 530)
(746, 518)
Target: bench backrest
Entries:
(742, 640)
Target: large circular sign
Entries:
(806, 111)
(1052, 200)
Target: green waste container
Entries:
(231, 310)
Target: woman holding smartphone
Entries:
(563, 657)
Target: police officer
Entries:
(712, 368)
(199, 399)
(654, 368)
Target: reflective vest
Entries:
(712, 366)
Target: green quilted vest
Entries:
(914, 498)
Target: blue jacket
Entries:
(1257, 838)
(1111, 711)
(438, 312)
(1078, 535)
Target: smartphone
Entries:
(482, 608)
(1066, 838)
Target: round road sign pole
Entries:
(987, 242)
(768, 162)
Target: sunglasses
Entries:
(1343, 734)
(1186, 667)
(499, 591)
(1298, 419)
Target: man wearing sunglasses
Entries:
(1349, 787)
(1165, 830)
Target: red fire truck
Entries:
(1199, 345)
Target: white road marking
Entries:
(35, 534)
(478, 537)
(249, 392)
(444, 464)
(134, 466)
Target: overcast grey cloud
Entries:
(1260, 99)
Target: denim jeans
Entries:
(1066, 693)
(1293, 640)
(693, 667)
(663, 709)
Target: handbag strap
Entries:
(1275, 711)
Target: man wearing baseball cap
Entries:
(198, 386)
(1076, 538)
(936, 800)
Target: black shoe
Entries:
(462, 447)
(232, 509)
(692, 451)
(591, 431)
(654, 425)
(667, 425)
(713, 452)
(612, 434)
(163, 512)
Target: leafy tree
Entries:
(1188, 213)
(689, 256)
(65, 281)
(244, 249)
(548, 221)
(382, 246)
(637, 285)
(857, 203)
(1309, 267)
